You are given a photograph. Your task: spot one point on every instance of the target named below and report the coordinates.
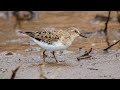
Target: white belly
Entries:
(54, 47)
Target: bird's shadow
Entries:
(53, 64)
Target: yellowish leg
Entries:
(44, 55)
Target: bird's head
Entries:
(76, 31)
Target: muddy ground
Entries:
(19, 50)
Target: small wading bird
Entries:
(53, 40)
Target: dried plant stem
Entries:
(106, 27)
(111, 45)
(14, 73)
(85, 56)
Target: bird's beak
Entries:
(82, 35)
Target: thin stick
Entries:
(86, 54)
(14, 73)
(106, 27)
(111, 45)
(83, 58)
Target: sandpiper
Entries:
(54, 40)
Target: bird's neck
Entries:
(73, 36)
(68, 40)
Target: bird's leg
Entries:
(44, 56)
(54, 56)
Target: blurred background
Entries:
(91, 23)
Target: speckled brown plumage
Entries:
(48, 36)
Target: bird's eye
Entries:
(76, 31)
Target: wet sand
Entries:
(100, 66)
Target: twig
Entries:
(106, 27)
(14, 73)
(92, 68)
(87, 53)
(85, 56)
(111, 45)
(80, 58)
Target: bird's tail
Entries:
(31, 34)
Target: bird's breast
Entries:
(51, 47)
